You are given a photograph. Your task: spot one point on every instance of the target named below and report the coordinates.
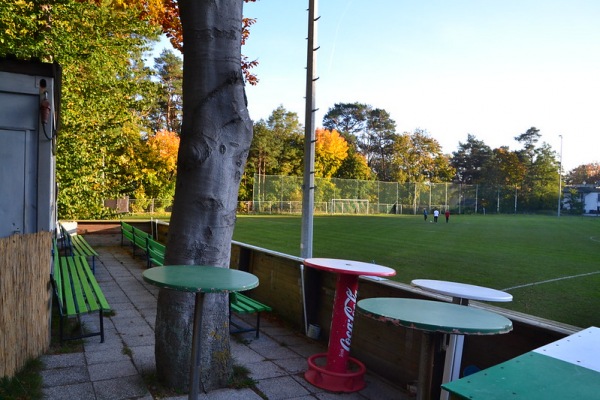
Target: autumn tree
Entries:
(469, 159)
(503, 168)
(540, 182)
(330, 152)
(584, 174)
(215, 140)
(166, 112)
(102, 79)
(161, 168)
(417, 157)
(349, 119)
(166, 14)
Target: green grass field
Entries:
(550, 265)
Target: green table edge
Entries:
(177, 277)
(530, 376)
(387, 310)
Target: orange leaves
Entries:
(165, 145)
(331, 149)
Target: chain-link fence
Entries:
(126, 205)
(278, 194)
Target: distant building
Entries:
(586, 196)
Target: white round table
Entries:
(461, 293)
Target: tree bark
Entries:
(215, 140)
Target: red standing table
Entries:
(341, 373)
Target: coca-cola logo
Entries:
(349, 307)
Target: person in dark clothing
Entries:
(447, 215)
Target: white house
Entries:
(587, 195)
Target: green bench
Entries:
(126, 233)
(78, 246)
(155, 251)
(136, 237)
(242, 304)
(76, 292)
(140, 239)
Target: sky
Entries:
(492, 69)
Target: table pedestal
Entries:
(196, 349)
(341, 373)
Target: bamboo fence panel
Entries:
(25, 299)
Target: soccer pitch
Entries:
(550, 265)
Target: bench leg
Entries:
(101, 326)
(60, 328)
(257, 324)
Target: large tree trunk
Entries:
(215, 139)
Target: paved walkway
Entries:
(113, 369)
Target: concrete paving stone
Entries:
(276, 353)
(119, 273)
(244, 355)
(64, 376)
(275, 331)
(281, 388)
(63, 360)
(305, 384)
(133, 326)
(345, 396)
(151, 321)
(143, 358)
(309, 349)
(379, 388)
(233, 394)
(122, 306)
(264, 369)
(111, 339)
(81, 391)
(148, 302)
(110, 354)
(121, 388)
(263, 341)
(138, 339)
(292, 340)
(103, 371)
(126, 312)
(295, 365)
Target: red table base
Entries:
(350, 381)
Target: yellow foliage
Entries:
(331, 149)
(165, 145)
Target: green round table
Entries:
(433, 317)
(199, 279)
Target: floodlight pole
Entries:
(559, 176)
(308, 187)
(308, 192)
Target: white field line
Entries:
(551, 280)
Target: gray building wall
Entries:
(27, 160)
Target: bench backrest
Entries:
(126, 227)
(156, 252)
(56, 273)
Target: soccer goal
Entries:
(349, 206)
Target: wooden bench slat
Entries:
(89, 303)
(80, 304)
(67, 288)
(243, 304)
(77, 290)
(94, 286)
(155, 252)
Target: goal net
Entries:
(349, 206)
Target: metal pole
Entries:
(308, 189)
(559, 177)
(308, 193)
